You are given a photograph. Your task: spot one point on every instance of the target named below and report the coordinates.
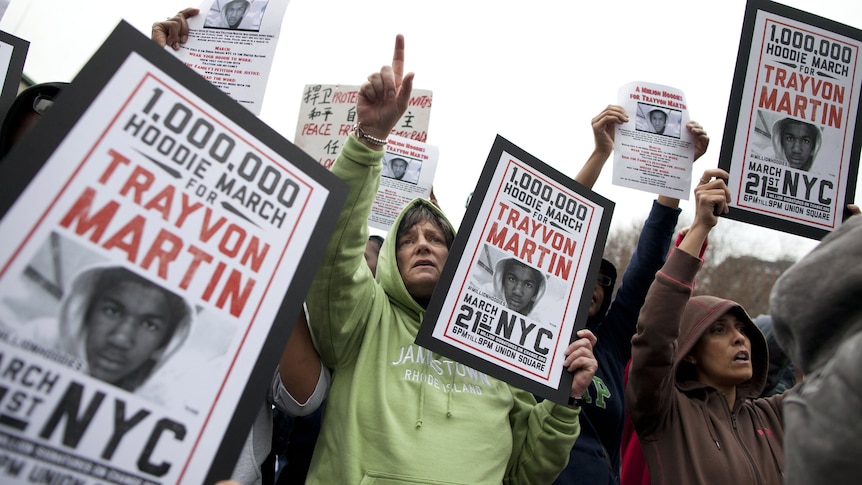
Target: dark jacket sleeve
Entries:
(653, 244)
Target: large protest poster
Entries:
(232, 44)
(791, 140)
(158, 242)
(520, 275)
(654, 151)
(13, 53)
(327, 114)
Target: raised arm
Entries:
(604, 125)
(343, 288)
(651, 383)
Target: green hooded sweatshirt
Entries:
(396, 412)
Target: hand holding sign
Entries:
(701, 141)
(175, 30)
(581, 362)
(604, 125)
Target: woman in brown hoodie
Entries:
(698, 367)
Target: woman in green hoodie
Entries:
(398, 413)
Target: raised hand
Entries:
(604, 125)
(383, 99)
(712, 198)
(701, 141)
(175, 30)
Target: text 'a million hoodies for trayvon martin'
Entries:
(687, 430)
(817, 319)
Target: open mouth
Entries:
(742, 356)
(423, 262)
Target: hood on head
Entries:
(700, 312)
(76, 302)
(608, 269)
(247, 3)
(388, 275)
(815, 303)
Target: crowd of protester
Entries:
(667, 388)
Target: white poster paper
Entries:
(654, 151)
(231, 44)
(328, 112)
(408, 173)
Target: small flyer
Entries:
(520, 275)
(408, 173)
(328, 112)
(158, 242)
(231, 44)
(791, 140)
(654, 151)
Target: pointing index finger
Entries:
(398, 60)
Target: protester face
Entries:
(372, 252)
(520, 285)
(234, 14)
(399, 167)
(722, 356)
(797, 141)
(421, 252)
(658, 120)
(603, 282)
(126, 325)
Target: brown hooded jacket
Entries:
(688, 432)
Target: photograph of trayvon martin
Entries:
(124, 326)
(796, 143)
(517, 285)
(78, 309)
(236, 15)
(786, 141)
(401, 168)
(658, 120)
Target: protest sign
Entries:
(158, 242)
(13, 53)
(520, 275)
(232, 43)
(653, 151)
(327, 114)
(791, 140)
(408, 173)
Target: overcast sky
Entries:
(533, 72)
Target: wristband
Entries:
(577, 401)
(360, 133)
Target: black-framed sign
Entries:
(520, 275)
(158, 242)
(13, 53)
(792, 140)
